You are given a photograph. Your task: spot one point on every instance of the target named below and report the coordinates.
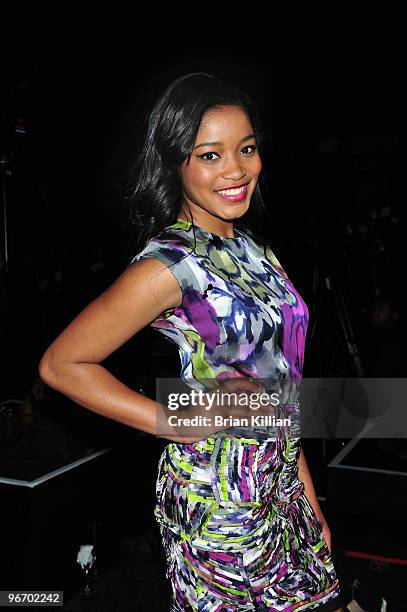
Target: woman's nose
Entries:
(234, 169)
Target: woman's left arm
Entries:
(309, 490)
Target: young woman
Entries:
(240, 522)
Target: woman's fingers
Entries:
(244, 384)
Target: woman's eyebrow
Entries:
(205, 144)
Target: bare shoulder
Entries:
(151, 277)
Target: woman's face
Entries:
(221, 175)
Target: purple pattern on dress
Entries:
(295, 327)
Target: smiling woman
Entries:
(219, 182)
(239, 519)
(173, 152)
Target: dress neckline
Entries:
(184, 224)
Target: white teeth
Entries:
(232, 192)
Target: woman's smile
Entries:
(234, 194)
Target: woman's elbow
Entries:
(43, 369)
(47, 369)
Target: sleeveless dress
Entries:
(237, 528)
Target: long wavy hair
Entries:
(152, 194)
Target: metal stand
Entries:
(5, 172)
(318, 298)
(4, 255)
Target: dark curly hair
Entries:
(151, 196)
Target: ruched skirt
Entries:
(238, 531)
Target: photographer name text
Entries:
(229, 421)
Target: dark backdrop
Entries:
(72, 119)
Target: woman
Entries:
(240, 522)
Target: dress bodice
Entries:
(251, 321)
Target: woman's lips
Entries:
(234, 195)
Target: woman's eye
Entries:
(252, 147)
(248, 150)
(204, 156)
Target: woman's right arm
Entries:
(71, 364)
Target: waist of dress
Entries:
(286, 390)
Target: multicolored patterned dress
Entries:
(238, 530)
